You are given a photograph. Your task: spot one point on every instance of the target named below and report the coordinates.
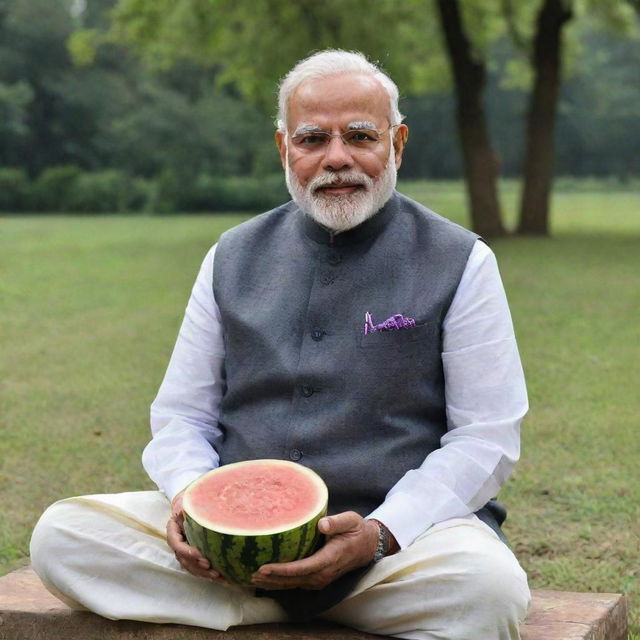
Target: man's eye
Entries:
(362, 136)
(311, 140)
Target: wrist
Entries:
(386, 544)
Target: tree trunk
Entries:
(538, 164)
(480, 160)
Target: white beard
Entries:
(340, 213)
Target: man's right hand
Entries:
(189, 557)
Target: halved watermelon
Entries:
(243, 515)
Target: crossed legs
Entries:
(108, 553)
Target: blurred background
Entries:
(120, 118)
(141, 106)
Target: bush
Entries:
(237, 194)
(167, 193)
(52, 189)
(70, 189)
(14, 190)
(108, 191)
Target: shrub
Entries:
(52, 189)
(168, 194)
(237, 194)
(70, 189)
(14, 189)
(107, 191)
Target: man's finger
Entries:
(175, 534)
(340, 523)
(189, 557)
(307, 566)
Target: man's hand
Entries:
(189, 557)
(351, 543)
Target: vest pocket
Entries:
(407, 335)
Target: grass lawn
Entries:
(90, 307)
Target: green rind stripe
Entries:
(237, 557)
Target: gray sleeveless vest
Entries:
(303, 381)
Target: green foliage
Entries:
(238, 194)
(184, 125)
(14, 189)
(14, 102)
(210, 193)
(53, 188)
(108, 191)
(257, 43)
(606, 132)
(83, 46)
(32, 52)
(70, 189)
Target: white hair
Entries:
(333, 62)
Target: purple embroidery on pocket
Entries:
(396, 321)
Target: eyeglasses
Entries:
(355, 139)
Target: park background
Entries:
(132, 133)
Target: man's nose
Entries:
(337, 155)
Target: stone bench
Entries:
(29, 612)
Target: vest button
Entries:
(306, 391)
(317, 334)
(334, 258)
(295, 454)
(328, 278)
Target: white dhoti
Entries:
(108, 553)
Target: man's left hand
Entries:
(351, 543)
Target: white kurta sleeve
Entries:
(184, 414)
(486, 400)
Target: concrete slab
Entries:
(29, 612)
(563, 615)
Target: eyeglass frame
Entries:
(327, 137)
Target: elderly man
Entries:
(353, 331)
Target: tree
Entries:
(480, 160)
(32, 53)
(539, 155)
(468, 65)
(15, 99)
(468, 60)
(252, 45)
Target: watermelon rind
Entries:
(237, 553)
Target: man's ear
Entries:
(399, 140)
(281, 143)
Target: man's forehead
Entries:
(341, 100)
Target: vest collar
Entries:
(373, 226)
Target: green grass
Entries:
(90, 307)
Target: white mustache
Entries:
(343, 179)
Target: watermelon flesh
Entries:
(243, 515)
